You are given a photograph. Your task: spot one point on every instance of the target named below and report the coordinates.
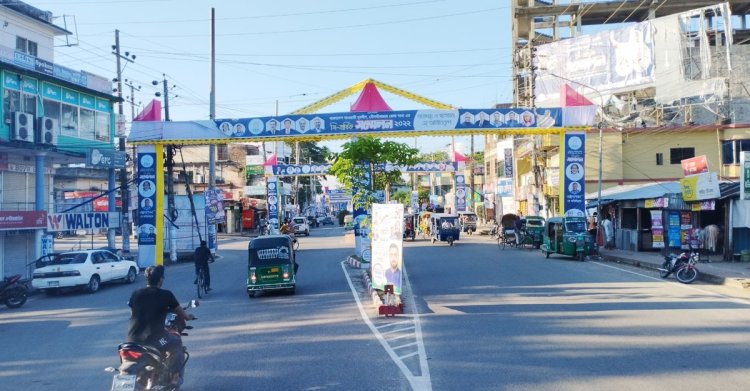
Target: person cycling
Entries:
(148, 311)
(201, 257)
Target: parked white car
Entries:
(84, 268)
(300, 226)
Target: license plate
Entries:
(53, 283)
(274, 270)
(123, 383)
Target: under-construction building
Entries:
(670, 79)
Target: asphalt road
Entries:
(490, 320)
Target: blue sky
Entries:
(292, 53)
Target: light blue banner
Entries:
(323, 168)
(395, 121)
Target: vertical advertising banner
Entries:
(361, 230)
(387, 240)
(146, 206)
(673, 228)
(657, 229)
(508, 163)
(460, 193)
(574, 190)
(272, 194)
(744, 175)
(214, 205)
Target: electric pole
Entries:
(131, 98)
(171, 212)
(124, 186)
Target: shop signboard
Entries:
(699, 187)
(745, 175)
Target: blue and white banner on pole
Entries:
(272, 189)
(460, 193)
(387, 239)
(574, 183)
(146, 206)
(361, 226)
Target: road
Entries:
(490, 320)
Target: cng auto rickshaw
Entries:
(534, 227)
(567, 236)
(444, 228)
(271, 264)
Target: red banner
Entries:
(23, 220)
(694, 165)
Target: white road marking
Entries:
(418, 383)
(686, 286)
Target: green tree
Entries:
(350, 171)
(403, 197)
(437, 156)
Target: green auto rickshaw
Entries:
(534, 227)
(567, 236)
(271, 264)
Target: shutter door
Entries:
(19, 250)
(18, 192)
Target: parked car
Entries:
(325, 220)
(84, 268)
(300, 226)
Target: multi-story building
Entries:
(52, 116)
(668, 78)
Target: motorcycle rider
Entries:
(148, 310)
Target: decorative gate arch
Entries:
(306, 124)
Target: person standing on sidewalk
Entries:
(201, 258)
(609, 234)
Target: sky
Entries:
(278, 56)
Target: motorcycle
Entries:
(13, 292)
(683, 266)
(144, 367)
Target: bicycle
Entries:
(506, 238)
(200, 284)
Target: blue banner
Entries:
(272, 189)
(574, 183)
(395, 121)
(323, 168)
(361, 230)
(147, 213)
(460, 193)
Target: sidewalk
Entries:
(729, 274)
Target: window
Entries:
(51, 109)
(87, 124)
(222, 152)
(731, 149)
(659, 159)
(676, 155)
(25, 46)
(727, 152)
(102, 126)
(11, 103)
(69, 122)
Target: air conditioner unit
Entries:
(49, 128)
(23, 127)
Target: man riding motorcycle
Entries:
(148, 310)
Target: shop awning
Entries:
(633, 192)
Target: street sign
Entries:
(105, 158)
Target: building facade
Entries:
(52, 117)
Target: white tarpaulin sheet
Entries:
(740, 213)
